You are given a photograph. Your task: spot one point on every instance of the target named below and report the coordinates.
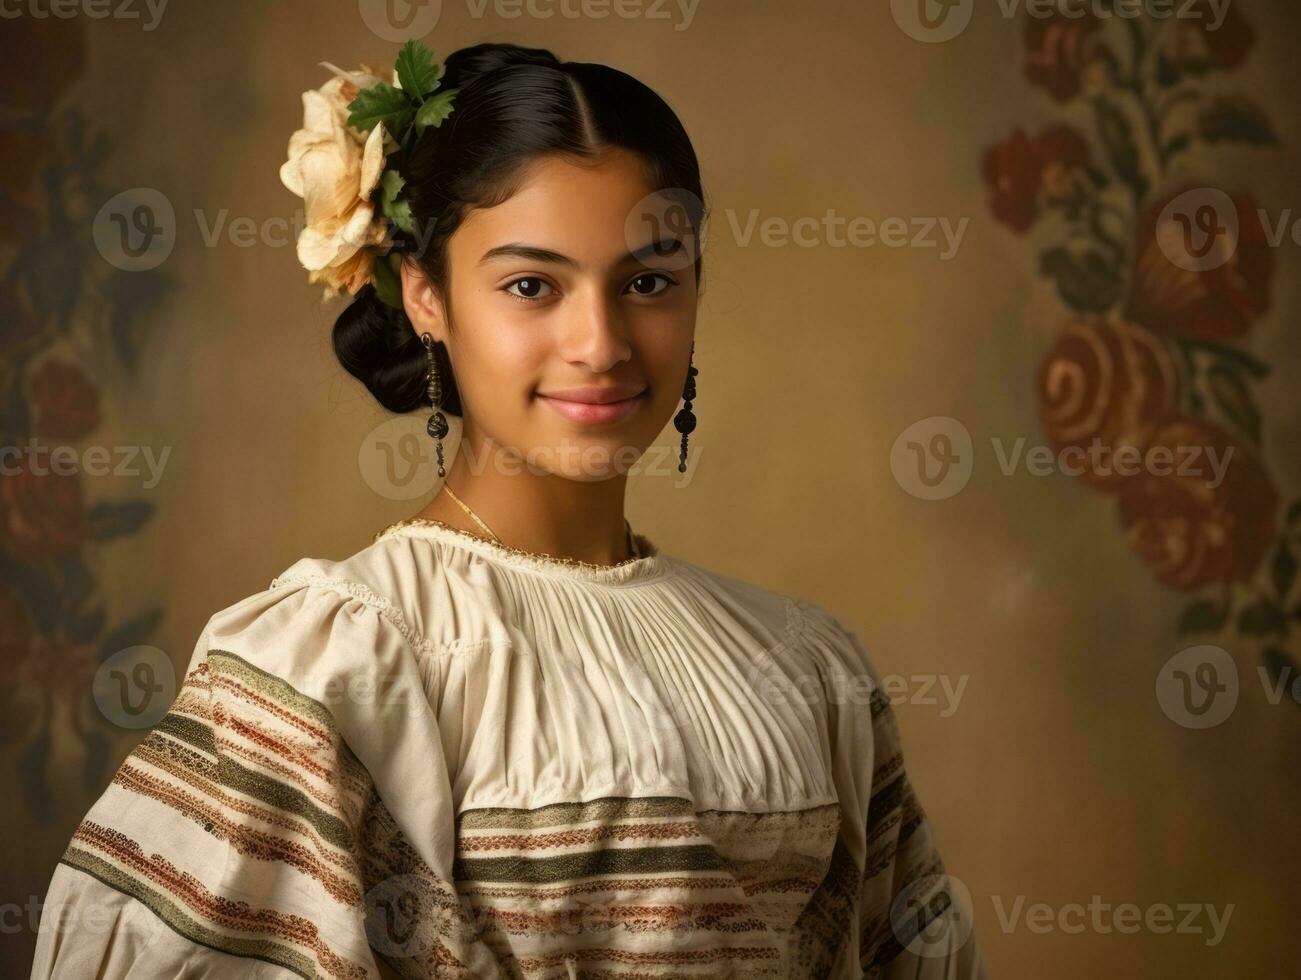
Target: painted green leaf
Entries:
(1122, 150)
(1234, 119)
(1086, 283)
(1233, 398)
(1284, 571)
(1203, 616)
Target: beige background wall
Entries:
(1059, 777)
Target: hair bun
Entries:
(376, 344)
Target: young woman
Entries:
(511, 737)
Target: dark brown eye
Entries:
(531, 288)
(644, 285)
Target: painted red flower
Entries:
(1204, 37)
(66, 402)
(1022, 168)
(42, 512)
(1103, 385)
(1056, 52)
(1203, 525)
(41, 55)
(1217, 298)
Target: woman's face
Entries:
(551, 311)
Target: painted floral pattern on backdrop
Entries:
(70, 331)
(1166, 279)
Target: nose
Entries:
(594, 333)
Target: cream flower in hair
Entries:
(335, 169)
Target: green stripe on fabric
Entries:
(567, 814)
(184, 924)
(611, 861)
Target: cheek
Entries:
(499, 371)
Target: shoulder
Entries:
(320, 613)
(804, 622)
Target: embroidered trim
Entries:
(652, 564)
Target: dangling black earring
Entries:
(685, 420)
(437, 426)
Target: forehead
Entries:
(583, 209)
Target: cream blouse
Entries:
(441, 757)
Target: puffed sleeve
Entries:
(911, 918)
(290, 815)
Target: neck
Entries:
(534, 510)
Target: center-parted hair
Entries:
(513, 106)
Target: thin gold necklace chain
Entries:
(632, 540)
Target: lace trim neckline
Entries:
(652, 563)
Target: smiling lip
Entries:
(594, 405)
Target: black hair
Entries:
(512, 105)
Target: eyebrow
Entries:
(659, 249)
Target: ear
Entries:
(424, 304)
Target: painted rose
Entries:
(1057, 52)
(335, 169)
(1023, 170)
(1210, 518)
(42, 512)
(1205, 37)
(1104, 382)
(43, 57)
(66, 403)
(1219, 302)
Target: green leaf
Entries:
(434, 111)
(417, 72)
(1262, 619)
(1203, 616)
(1240, 358)
(399, 212)
(1284, 571)
(392, 207)
(381, 103)
(1234, 399)
(113, 519)
(391, 182)
(1122, 150)
(1234, 119)
(388, 285)
(1086, 283)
